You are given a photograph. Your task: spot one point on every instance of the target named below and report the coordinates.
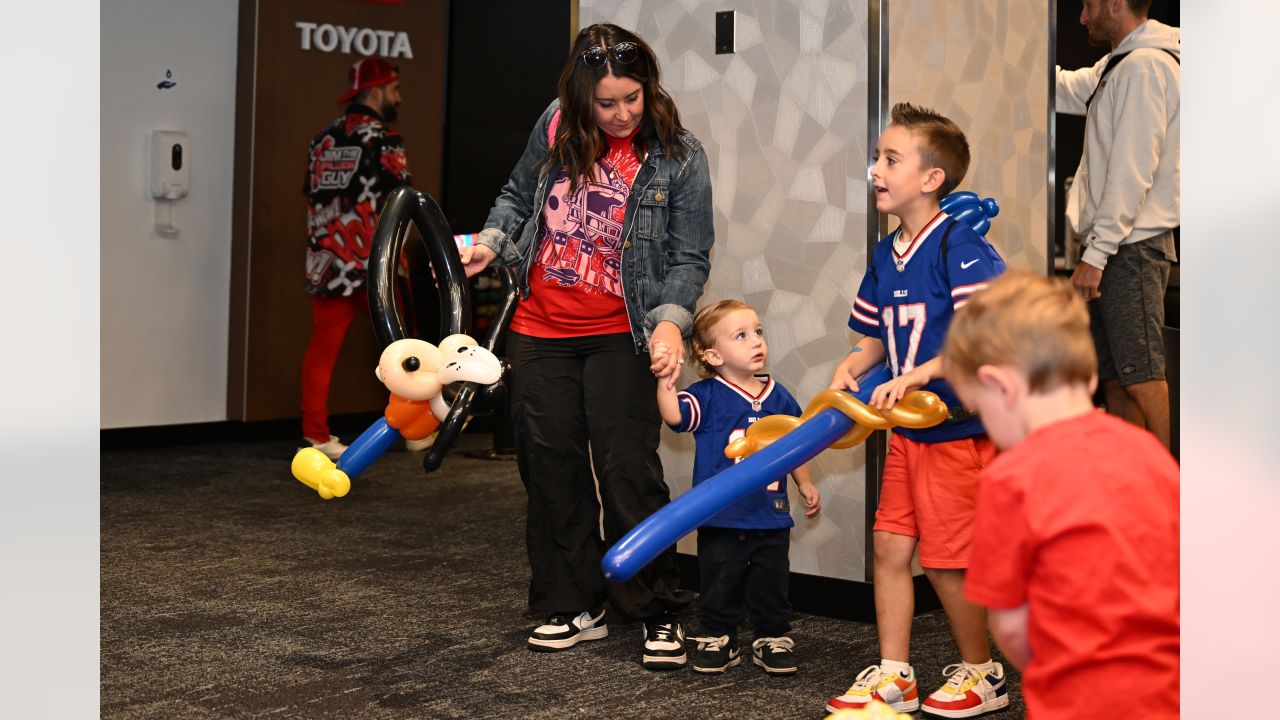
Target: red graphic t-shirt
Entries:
(575, 285)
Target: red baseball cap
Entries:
(366, 73)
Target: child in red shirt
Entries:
(1075, 544)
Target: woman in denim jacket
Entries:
(607, 219)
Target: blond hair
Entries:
(1036, 324)
(701, 340)
(942, 142)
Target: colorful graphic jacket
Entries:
(351, 167)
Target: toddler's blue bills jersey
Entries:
(907, 300)
(717, 412)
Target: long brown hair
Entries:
(578, 140)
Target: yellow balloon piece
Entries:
(319, 473)
(917, 409)
(875, 710)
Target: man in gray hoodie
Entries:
(1124, 202)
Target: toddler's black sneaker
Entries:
(775, 654)
(715, 654)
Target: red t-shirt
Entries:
(575, 285)
(1079, 521)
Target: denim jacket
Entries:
(667, 232)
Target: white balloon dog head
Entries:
(417, 370)
(465, 361)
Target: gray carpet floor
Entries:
(231, 590)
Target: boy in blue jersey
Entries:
(742, 551)
(918, 276)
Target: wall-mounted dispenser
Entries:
(170, 164)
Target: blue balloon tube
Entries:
(957, 199)
(966, 207)
(653, 535)
(368, 447)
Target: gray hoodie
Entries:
(1127, 187)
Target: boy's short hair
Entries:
(942, 142)
(700, 339)
(1036, 324)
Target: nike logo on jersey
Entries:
(965, 265)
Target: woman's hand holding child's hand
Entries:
(666, 353)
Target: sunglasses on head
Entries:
(624, 53)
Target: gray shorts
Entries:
(1128, 320)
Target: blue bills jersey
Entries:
(907, 300)
(717, 412)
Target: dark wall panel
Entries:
(501, 77)
(285, 95)
(1074, 51)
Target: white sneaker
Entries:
(968, 692)
(332, 449)
(562, 631)
(663, 643)
(420, 445)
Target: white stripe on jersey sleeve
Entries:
(967, 289)
(695, 410)
(961, 294)
(872, 321)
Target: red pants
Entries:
(330, 318)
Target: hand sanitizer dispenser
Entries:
(170, 174)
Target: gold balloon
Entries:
(917, 409)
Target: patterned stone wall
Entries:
(784, 122)
(985, 64)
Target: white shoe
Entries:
(420, 445)
(332, 449)
(562, 631)
(664, 643)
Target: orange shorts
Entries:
(930, 491)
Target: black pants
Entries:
(744, 569)
(580, 404)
